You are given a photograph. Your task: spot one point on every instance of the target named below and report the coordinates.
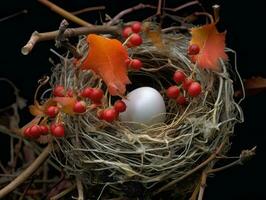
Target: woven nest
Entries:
(110, 154)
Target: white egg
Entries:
(144, 105)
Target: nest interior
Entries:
(109, 154)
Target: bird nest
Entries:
(114, 154)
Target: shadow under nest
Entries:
(118, 160)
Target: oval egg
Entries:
(144, 105)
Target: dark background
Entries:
(244, 23)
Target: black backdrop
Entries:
(244, 23)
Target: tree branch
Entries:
(70, 32)
(27, 172)
(211, 158)
(64, 13)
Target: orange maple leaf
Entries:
(211, 43)
(106, 58)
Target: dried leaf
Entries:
(38, 110)
(66, 104)
(212, 45)
(106, 58)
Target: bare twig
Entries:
(64, 13)
(63, 193)
(211, 158)
(80, 189)
(216, 12)
(159, 7)
(27, 172)
(129, 10)
(209, 16)
(26, 189)
(244, 156)
(192, 3)
(71, 32)
(61, 40)
(14, 15)
(202, 184)
(89, 9)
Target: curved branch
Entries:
(27, 172)
(70, 32)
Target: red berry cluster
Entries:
(36, 131)
(132, 32)
(185, 85)
(111, 114)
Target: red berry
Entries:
(110, 114)
(172, 92)
(126, 32)
(193, 49)
(35, 131)
(186, 83)
(128, 61)
(52, 111)
(194, 89)
(86, 92)
(179, 76)
(79, 107)
(181, 100)
(59, 91)
(136, 64)
(136, 27)
(120, 106)
(57, 130)
(96, 95)
(27, 132)
(135, 39)
(44, 129)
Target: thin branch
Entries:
(64, 13)
(63, 193)
(192, 3)
(89, 9)
(70, 32)
(14, 15)
(61, 40)
(244, 156)
(211, 158)
(129, 10)
(80, 189)
(216, 12)
(202, 184)
(27, 172)
(209, 16)
(159, 7)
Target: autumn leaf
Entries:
(106, 57)
(212, 45)
(65, 104)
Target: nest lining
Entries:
(114, 153)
